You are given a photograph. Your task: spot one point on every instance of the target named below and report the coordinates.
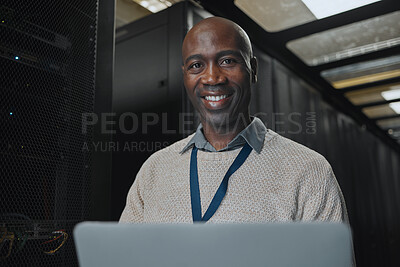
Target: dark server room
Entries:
(100, 106)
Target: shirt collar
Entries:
(253, 134)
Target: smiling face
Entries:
(217, 71)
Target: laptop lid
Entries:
(195, 245)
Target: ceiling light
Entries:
(144, 4)
(395, 106)
(363, 72)
(359, 38)
(389, 123)
(391, 94)
(154, 5)
(366, 79)
(323, 9)
(152, 9)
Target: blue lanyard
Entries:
(216, 201)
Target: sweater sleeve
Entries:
(323, 199)
(134, 208)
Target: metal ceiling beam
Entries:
(377, 103)
(369, 85)
(361, 58)
(386, 117)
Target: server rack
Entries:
(47, 79)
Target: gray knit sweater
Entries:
(285, 182)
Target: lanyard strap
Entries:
(220, 194)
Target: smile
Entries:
(216, 102)
(215, 98)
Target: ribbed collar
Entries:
(253, 134)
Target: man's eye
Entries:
(227, 61)
(195, 66)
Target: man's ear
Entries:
(183, 69)
(254, 66)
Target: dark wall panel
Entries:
(262, 99)
(366, 169)
(141, 71)
(148, 97)
(140, 87)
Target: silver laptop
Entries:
(195, 245)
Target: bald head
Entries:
(218, 69)
(208, 29)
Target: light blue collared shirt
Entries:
(253, 134)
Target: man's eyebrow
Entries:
(196, 56)
(229, 52)
(219, 54)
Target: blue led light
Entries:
(16, 58)
(11, 113)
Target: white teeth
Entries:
(215, 98)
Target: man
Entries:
(232, 169)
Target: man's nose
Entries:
(213, 75)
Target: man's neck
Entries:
(219, 137)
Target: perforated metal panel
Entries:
(47, 68)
